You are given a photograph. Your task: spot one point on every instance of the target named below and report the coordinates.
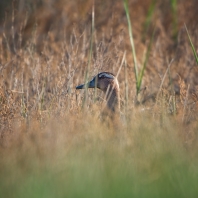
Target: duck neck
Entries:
(113, 99)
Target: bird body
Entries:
(108, 83)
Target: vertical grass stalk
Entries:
(138, 76)
(126, 7)
(175, 19)
(149, 17)
(173, 97)
(192, 46)
(90, 56)
(126, 87)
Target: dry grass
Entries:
(50, 146)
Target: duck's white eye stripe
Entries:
(105, 75)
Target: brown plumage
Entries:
(108, 83)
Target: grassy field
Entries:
(54, 140)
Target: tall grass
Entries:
(90, 53)
(175, 17)
(138, 74)
(192, 46)
(149, 17)
(126, 7)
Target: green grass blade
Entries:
(149, 17)
(175, 19)
(90, 56)
(140, 77)
(126, 7)
(192, 46)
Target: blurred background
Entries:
(62, 20)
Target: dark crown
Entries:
(106, 75)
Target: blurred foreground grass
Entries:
(90, 159)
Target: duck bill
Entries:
(90, 84)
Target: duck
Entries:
(108, 83)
